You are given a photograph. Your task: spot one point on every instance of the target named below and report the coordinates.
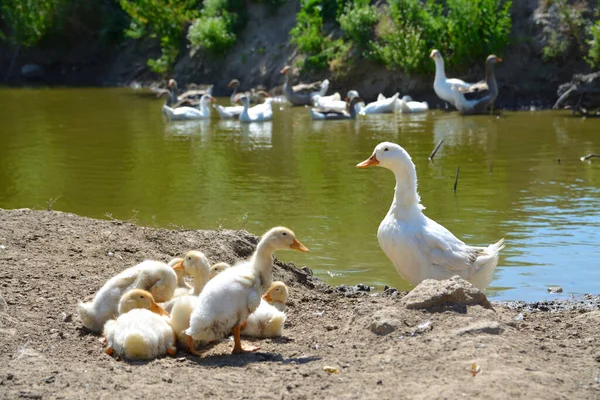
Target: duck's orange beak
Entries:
(498, 59)
(298, 246)
(432, 54)
(369, 162)
(155, 308)
(267, 297)
(179, 266)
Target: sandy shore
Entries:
(376, 347)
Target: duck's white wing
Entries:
(459, 83)
(445, 250)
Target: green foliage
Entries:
(568, 34)
(358, 23)
(161, 19)
(27, 21)
(593, 57)
(211, 33)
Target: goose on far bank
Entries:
(409, 106)
(189, 113)
(419, 247)
(349, 112)
(256, 95)
(443, 85)
(382, 105)
(480, 97)
(302, 94)
(259, 113)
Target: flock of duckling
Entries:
(468, 98)
(148, 310)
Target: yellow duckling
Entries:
(142, 331)
(217, 268)
(154, 276)
(183, 287)
(229, 298)
(267, 320)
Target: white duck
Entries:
(480, 97)
(442, 85)
(228, 299)
(332, 102)
(189, 113)
(142, 330)
(182, 287)
(268, 319)
(409, 106)
(381, 106)
(195, 265)
(419, 247)
(228, 112)
(259, 113)
(155, 276)
(349, 111)
(217, 268)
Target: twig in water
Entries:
(437, 147)
(51, 202)
(587, 157)
(491, 167)
(456, 178)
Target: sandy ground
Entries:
(51, 260)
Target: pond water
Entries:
(105, 152)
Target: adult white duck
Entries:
(189, 113)
(442, 85)
(228, 298)
(259, 113)
(382, 105)
(348, 112)
(419, 247)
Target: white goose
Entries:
(419, 247)
(442, 85)
(189, 113)
(228, 298)
(259, 113)
(228, 112)
(382, 105)
(409, 106)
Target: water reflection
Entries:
(117, 154)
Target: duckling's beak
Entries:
(298, 246)
(155, 308)
(267, 297)
(179, 266)
(369, 162)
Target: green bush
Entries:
(593, 57)
(358, 23)
(211, 33)
(27, 21)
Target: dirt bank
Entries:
(51, 260)
(264, 47)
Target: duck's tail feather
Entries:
(136, 346)
(486, 263)
(87, 315)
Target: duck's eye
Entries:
(284, 234)
(386, 149)
(190, 258)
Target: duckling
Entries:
(228, 299)
(183, 287)
(268, 319)
(155, 276)
(217, 268)
(142, 331)
(195, 264)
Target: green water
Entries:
(109, 151)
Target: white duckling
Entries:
(382, 105)
(228, 299)
(196, 265)
(142, 330)
(217, 268)
(183, 287)
(154, 276)
(409, 106)
(419, 247)
(259, 113)
(190, 113)
(442, 85)
(268, 319)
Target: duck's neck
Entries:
(172, 95)
(287, 86)
(406, 198)
(232, 98)
(262, 260)
(490, 77)
(440, 73)
(199, 282)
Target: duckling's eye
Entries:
(190, 258)
(386, 149)
(284, 234)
